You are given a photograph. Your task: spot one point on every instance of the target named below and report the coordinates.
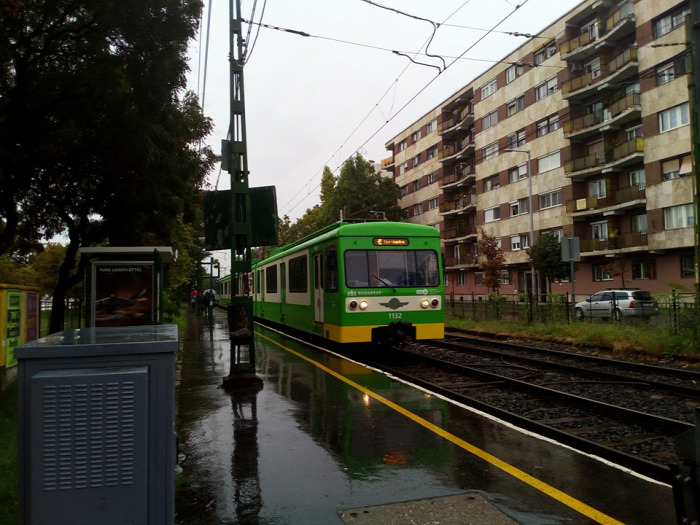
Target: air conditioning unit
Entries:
(575, 67)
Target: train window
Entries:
(299, 274)
(331, 270)
(396, 268)
(271, 279)
(257, 282)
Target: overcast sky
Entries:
(314, 101)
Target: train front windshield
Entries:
(394, 268)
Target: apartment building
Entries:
(582, 132)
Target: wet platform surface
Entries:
(320, 440)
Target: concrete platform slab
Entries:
(461, 509)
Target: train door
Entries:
(318, 288)
(283, 290)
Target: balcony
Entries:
(461, 122)
(621, 112)
(468, 259)
(388, 164)
(619, 68)
(460, 176)
(462, 204)
(618, 201)
(461, 231)
(615, 27)
(617, 157)
(625, 241)
(459, 151)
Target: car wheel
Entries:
(578, 313)
(617, 315)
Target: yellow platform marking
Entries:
(555, 493)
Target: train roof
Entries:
(362, 229)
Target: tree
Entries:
(545, 256)
(616, 268)
(493, 260)
(97, 139)
(360, 191)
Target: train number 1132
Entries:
(395, 315)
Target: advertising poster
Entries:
(13, 325)
(123, 293)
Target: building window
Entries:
(638, 178)
(415, 136)
(433, 203)
(519, 242)
(680, 216)
(599, 274)
(491, 183)
(489, 88)
(433, 177)
(479, 278)
(545, 52)
(516, 139)
(515, 105)
(643, 270)
(597, 188)
(492, 214)
(670, 21)
(599, 230)
(677, 168)
(671, 70)
(687, 266)
(404, 190)
(461, 278)
(431, 126)
(593, 67)
(639, 223)
(634, 133)
(517, 173)
(432, 152)
(418, 208)
(674, 117)
(548, 200)
(547, 125)
(403, 168)
(514, 72)
(417, 184)
(416, 160)
(519, 207)
(548, 162)
(503, 277)
(546, 88)
(489, 120)
(402, 145)
(490, 151)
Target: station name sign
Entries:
(390, 241)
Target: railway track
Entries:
(624, 412)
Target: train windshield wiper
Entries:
(385, 283)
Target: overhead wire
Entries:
(420, 91)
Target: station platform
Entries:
(322, 440)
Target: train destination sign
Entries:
(390, 241)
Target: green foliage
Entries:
(9, 480)
(545, 256)
(359, 191)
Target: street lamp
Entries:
(529, 206)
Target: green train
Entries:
(352, 282)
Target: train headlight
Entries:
(424, 303)
(363, 305)
(434, 303)
(352, 305)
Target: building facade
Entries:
(583, 132)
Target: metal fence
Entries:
(676, 311)
(72, 318)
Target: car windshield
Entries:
(394, 268)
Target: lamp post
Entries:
(529, 207)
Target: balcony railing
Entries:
(618, 242)
(461, 229)
(625, 11)
(464, 260)
(600, 117)
(615, 64)
(454, 149)
(460, 173)
(571, 45)
(461, 203)
(610, 156)
(386, 163)
(628, 194)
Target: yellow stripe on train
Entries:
(363, 334)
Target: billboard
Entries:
(123, 293)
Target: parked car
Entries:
(618, 304)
